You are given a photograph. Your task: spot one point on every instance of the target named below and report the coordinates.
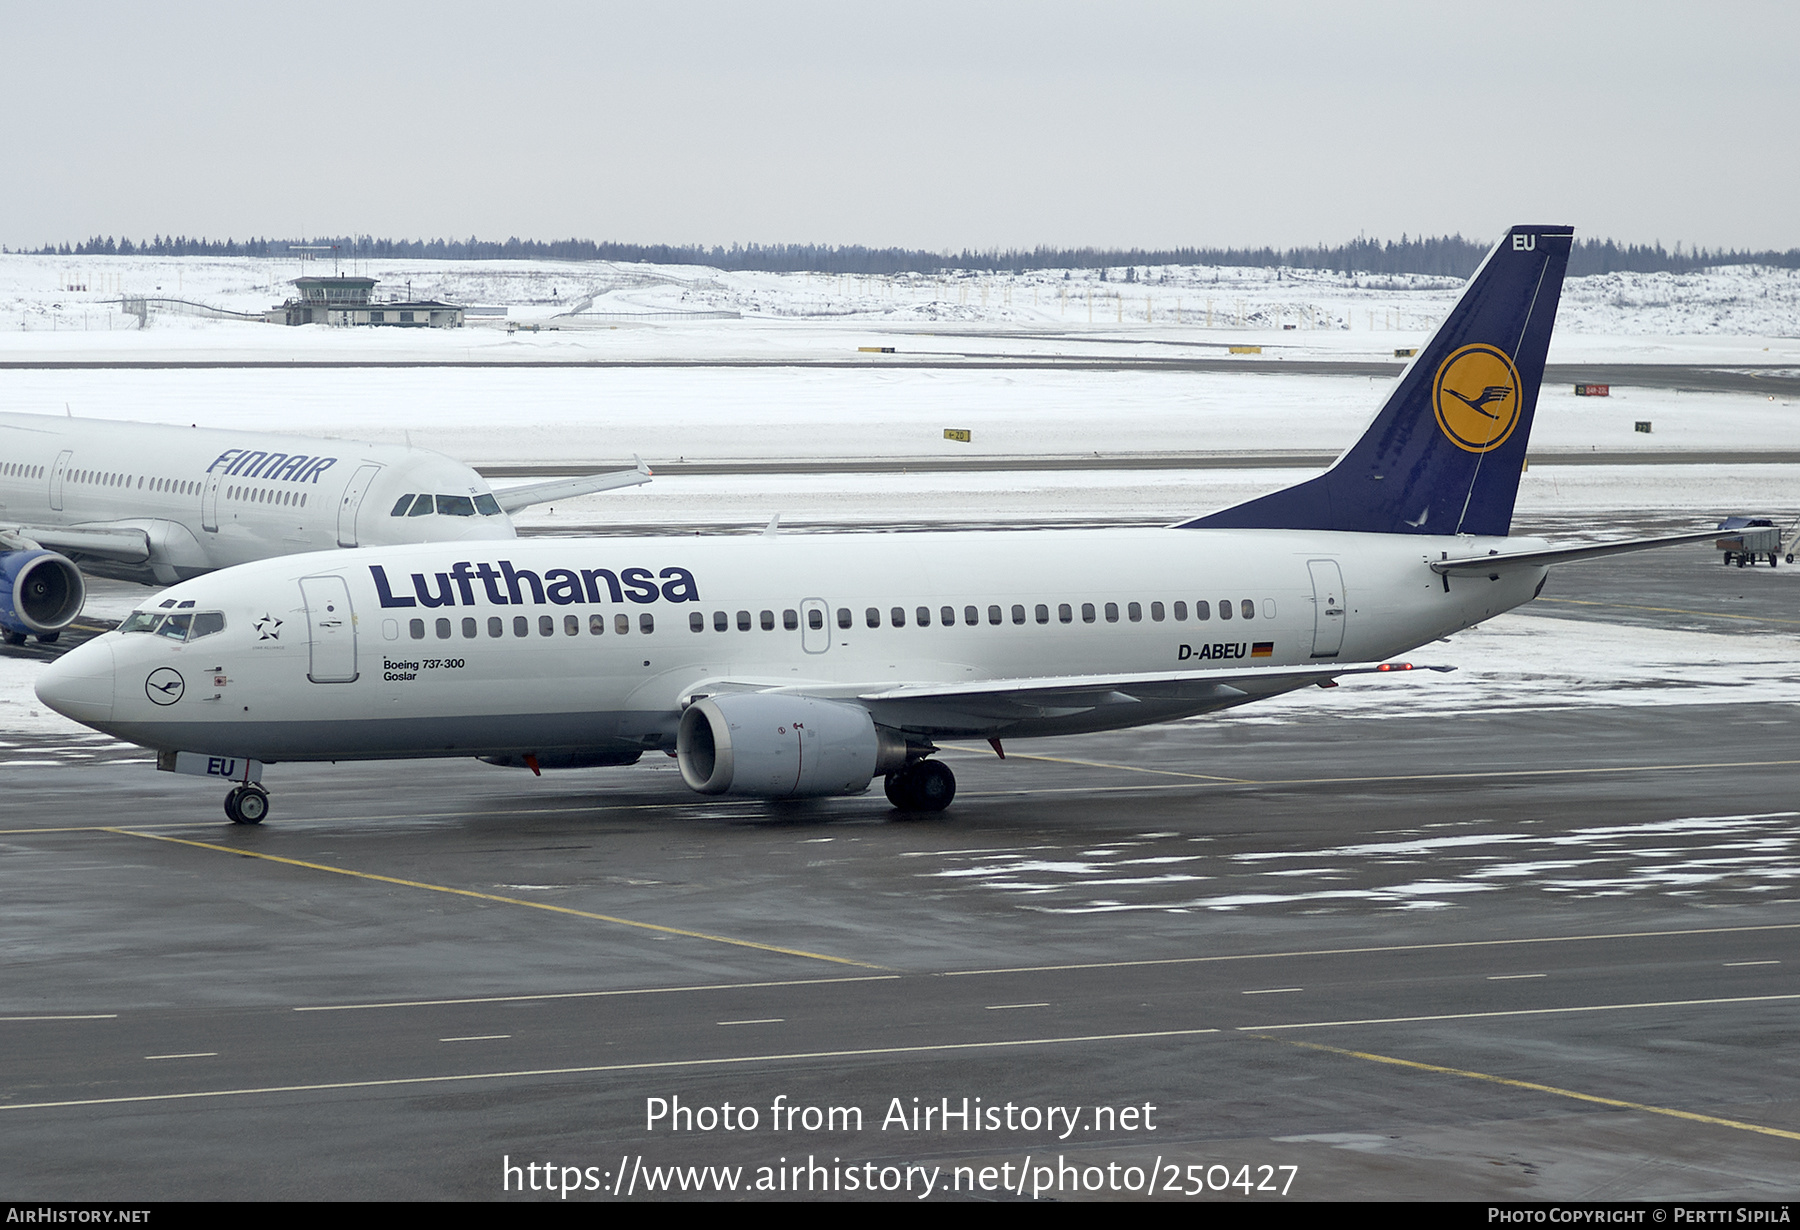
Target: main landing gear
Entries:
(922, 786)
(247, 804)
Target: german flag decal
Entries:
(1263, 649)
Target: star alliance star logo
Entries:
(268, 628)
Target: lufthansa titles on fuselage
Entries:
(509, 586)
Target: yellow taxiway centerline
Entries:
(1535, 1087)
(479, 896)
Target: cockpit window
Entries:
(185, 626)
(446, 505)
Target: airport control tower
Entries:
(340, 300)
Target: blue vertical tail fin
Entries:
(1444, 454)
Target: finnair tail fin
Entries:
(1443, 455)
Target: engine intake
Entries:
(41, 592)
(769, 745)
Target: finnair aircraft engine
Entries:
(41, 593)
(773, 746)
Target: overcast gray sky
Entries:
(936, 125)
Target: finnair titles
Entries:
(276, 467)
(792, 666)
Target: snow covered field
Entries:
(490, 415)
(1710, 314)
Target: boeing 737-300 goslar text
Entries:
(789, 666)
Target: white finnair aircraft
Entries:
(157, 503)
(784, 667)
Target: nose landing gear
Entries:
(247, 804)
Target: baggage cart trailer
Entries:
(1757, 538)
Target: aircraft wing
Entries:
(1565, 555)
(957, 708)
(512, 499)
(124, 544)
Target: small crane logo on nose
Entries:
(165, 686)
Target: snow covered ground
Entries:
(1726, 311)
(605, 414)
(1521, 662)
(1696, 496)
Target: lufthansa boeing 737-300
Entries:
(782, 667)
(159, 504)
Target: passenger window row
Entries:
(743, 621)
(103, 478)
(174, 486)
(267, 495)
(722, 620)
(897, 617)
(547, 625)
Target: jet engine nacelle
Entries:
(41, 593)
(773, 746)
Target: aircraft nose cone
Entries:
(79, 684)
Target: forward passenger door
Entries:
(353, 494)
(332, 625)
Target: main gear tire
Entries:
(921, 787)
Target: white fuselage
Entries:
(593, 645)
(207, 499)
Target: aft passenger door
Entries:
(353, 494)
(332, 624)
(1329, 608)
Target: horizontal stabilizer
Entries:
(1568, 555)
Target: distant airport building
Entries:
(351, 301)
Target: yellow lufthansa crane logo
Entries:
(1476, 395)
